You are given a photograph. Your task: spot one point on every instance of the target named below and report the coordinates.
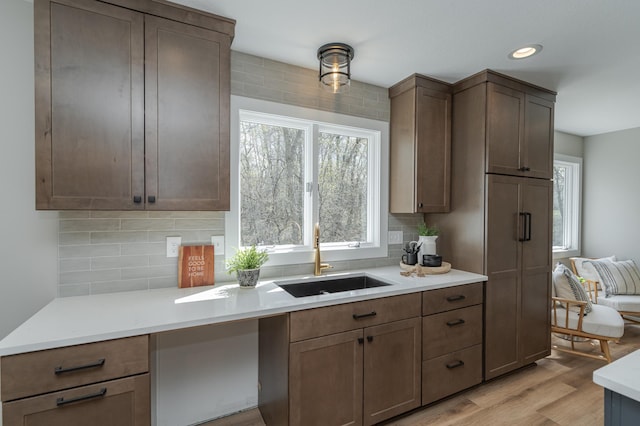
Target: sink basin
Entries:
(304, 288)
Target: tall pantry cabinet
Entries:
(501, 206)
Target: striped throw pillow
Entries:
(567, 286)
(620, 277)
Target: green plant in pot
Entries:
(427, 231)
(246, 263)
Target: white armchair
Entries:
(627, 305)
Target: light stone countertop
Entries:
(85, 319)
(621, 376)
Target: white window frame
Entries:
(573, 185)
(377, 220)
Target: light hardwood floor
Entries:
(559, 390)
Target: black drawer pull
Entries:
(455, 365)
(359, 316)
(361, 340)
(137, 199)
(456, 322)
(151, 199)
(455, 298)
(98, 363)
(369, 339)
(61, 401)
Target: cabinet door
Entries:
(536, 270)
(392, 375)
(503, 257)
(537, 149)
(325, 380)
(505, 129)
(433, 151)
(89, 86)
(123, 402)
(187, 96)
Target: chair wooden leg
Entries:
(604, 346)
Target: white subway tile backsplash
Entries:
(147, 224)
(77, 277)
(118, 262)
(78, 225)
(88, 250)
(118, 237)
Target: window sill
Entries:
(327, 255)
(563, 254)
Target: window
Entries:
(567, 175)
(293, 167)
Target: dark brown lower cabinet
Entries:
(365, 370)
(122, 402)
(359, 377)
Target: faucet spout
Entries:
(318, 265)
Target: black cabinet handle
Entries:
(360, 316)
(151, 199)
(525, 169)
(137, 199)
(61, 401)
(456, 322)
(361, 340)
(526, 227)
(369, 339)
(61, 370)
(455, 298)
(420, 205)
(455, 365)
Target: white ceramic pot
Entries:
(428, 246)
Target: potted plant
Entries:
(246, 263)
(427, 236)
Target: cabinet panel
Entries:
(446, 299)
(536, 270)
(391, 369)
(449, 331)
(433, 158)
(325, 380)
(505, 129)
(451, 373)
(123, 402)
(34, 373)
(187, 116)
(538, 137)
(89, 105)
(333, 319)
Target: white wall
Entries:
(611, 206)
(28, 253)
(568, 144)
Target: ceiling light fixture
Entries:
(525, 51)
(335, 66)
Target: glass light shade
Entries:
(335, 66)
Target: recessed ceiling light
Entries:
(525, 51)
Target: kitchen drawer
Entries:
(122, 402)
(446, 299)
(451, 331)
(35, 373)
(451, 373)
(350, 316)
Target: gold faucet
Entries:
(317, 270)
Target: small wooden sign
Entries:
(195, 266)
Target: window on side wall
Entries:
(567, 189)
(293, 167)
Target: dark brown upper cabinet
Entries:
(420, 146)
(132, 106)
(519, 126)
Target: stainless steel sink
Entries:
(315, 287)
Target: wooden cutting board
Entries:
(195, 266)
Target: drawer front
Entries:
(451, 373)
(446, 299)
(39, 372)
(451, 331)
(122, 402)
(350, 316)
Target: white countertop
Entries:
(85, 319)
(621, 376)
